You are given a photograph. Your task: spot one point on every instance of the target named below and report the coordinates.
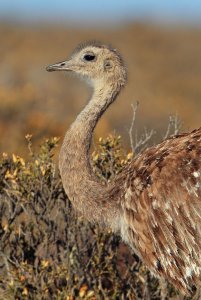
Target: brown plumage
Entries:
(155, 202)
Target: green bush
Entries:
(49, 252)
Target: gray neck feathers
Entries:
(86, 193)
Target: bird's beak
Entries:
(61, 66)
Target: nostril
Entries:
(62, 65)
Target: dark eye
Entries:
(89, 57)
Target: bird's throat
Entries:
(83, 188)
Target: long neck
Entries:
(86, 193)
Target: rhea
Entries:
(155, 202)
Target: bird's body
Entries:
(155, 202)
(161, 204)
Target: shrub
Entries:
(49, 252)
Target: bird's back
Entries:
(161, 203)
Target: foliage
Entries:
(47, 251)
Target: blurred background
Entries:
(159, 40)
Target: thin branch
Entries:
(5, 259)
(138, 144)
(134, 108)
(145, 138)
(174, 126)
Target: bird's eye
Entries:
(89, 57)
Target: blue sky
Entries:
(188, 11)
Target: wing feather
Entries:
(162, 208)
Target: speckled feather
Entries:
(161, 204)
